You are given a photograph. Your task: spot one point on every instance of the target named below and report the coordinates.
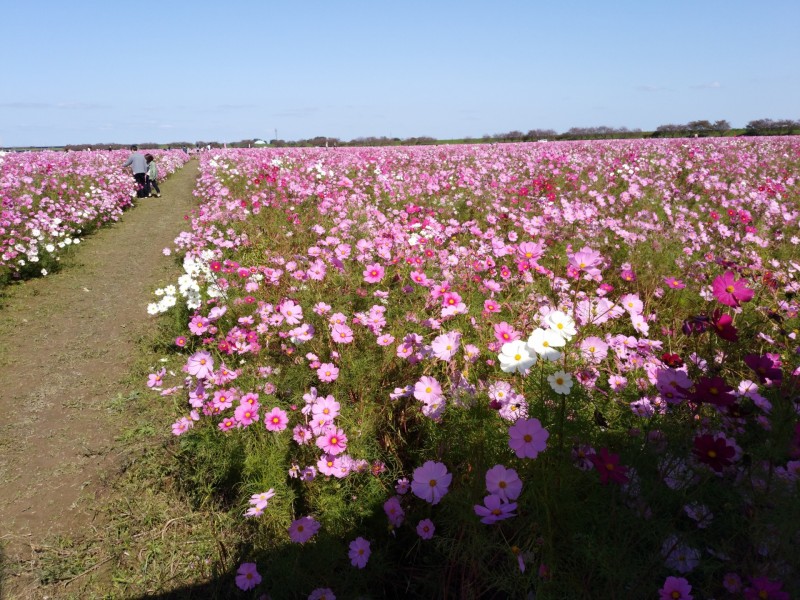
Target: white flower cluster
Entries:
(519, 356)
(195, 269)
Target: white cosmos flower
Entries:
(515, 357)
(544, 342)
(561, 323)
(561, 382)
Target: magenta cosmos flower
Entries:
(762, 588)
(675, 588)
(303, 529)
(373, 273)
(431, 481)
(608, 466)
(322, 594)
(426, 529)
(359, 552)
(494, 509)
(527, 438)
(394, 511)
(247, 576)
(333, 441)
(276, 420)
(200, 364)
(731, 291)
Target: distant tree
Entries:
(721, 127)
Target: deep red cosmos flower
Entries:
(608, 466)
(714, 452)
(713, 390)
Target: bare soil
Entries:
(68, 343)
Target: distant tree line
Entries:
(702, 128)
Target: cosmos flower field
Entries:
(567, 369)
(50, 200)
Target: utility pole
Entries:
(276, 135)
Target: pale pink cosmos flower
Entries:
(301, 434)
(527, 438)
(431, 481)
(446, 345)
(342, 334)
(303, 529)
(494, 509)
(503, 482)
(326, 408)
(156, 380)
(327, 465)
(262, 499)
(427, 389)
(328, 372)
(276, 420)
(200, 365)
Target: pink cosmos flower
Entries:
(503, 482)
(385, 340)
(342, 334)
(326, 408)
(322, 594)
(426, 529)
(394, 511)
(491, 306)
(200, 365)
(333, 442)
(328, 372)
(527, 438)
(504, 333)
(301, 434)
(276, 420)
(675, 588)
(247, 576)
(227, 424)
(431, 481)
(359, 552)
(427, 389)
(245, 414)
(675, 284)
(494, 509)
(303, 529)
(731, 291)
(293, 313)
(180, 341)
(156, 380)
(181, 426)
(373, 273)
(327, 465)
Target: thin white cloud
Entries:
(714, 85)
(651, 88)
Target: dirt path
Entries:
(67, 342)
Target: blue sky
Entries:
(83, 72)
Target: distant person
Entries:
(138, 165)
(152, 174)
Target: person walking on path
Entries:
(138, 165)
(152, 174)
